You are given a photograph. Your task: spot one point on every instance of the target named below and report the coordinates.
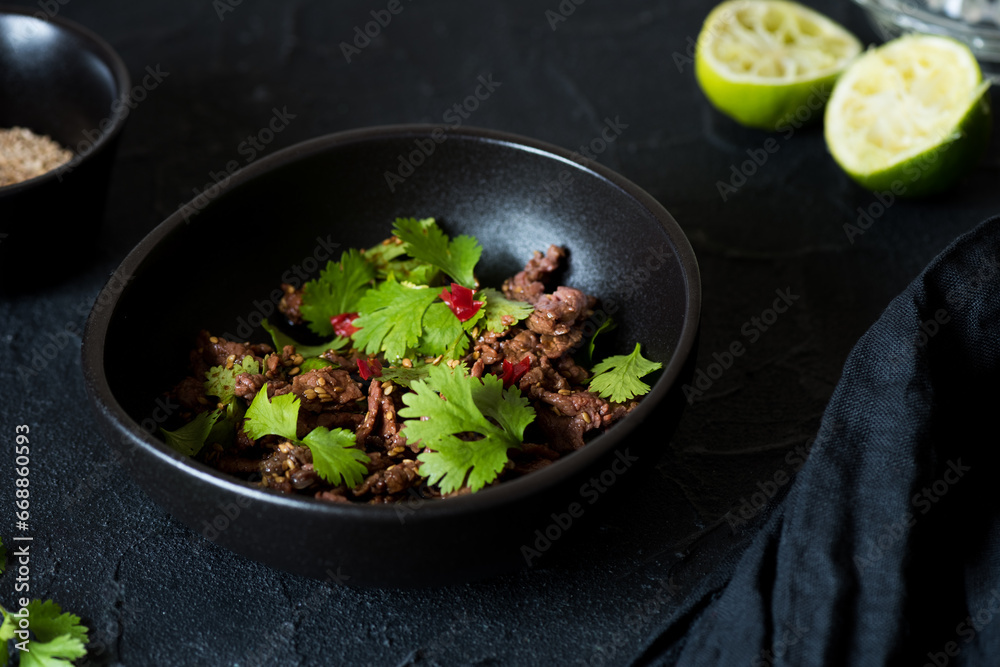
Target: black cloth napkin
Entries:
(886, 548)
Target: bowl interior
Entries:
(56, 80)
(220, 268)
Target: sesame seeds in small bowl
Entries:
(59, 124)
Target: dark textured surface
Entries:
(155, 592)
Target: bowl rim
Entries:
(123, 83)
(105, 403)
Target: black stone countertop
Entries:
(155, 592)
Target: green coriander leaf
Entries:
(467, 401)
(59, 652)
(312, 363)
(3, 557)
(190, 438)
(497, 306)
(390, 318)
(405, 376)
(335, 456)
(384, 259)
(606, 325)
(443, 333)
(7, 629)
(509, 408)
(221, 381)
(428, 243)
(617, 378)
(48, 621)
(281, 339)
(337, 290)
(58, 637)
(276, 417)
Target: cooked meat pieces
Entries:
(213, 351)
(529, 284)
(323, 387)
(290, 303)
(556, 313)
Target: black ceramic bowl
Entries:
(58, 79)
(217, 263)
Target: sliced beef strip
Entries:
(394, 479)
(528, 285)
(556, 313)
(190, 393)
(288, 468)
(325, 389)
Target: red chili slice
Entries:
(343, 324)
(461, 303)
(370, 368)
(512, 373)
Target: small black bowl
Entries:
(57, 79)
(217, 263)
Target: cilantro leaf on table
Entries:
(390, 318)
(335, 456)
(467, 403)
(498, 306)
(190, 438)
(426, 242)
(279, 416)
(58, 638)
(617, 378)
(281, 339)
(337, 290)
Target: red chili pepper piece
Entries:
(461, 303)
(343, 324)
(370, 368)
(512, 373)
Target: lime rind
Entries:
(912, 116)
(766, 63)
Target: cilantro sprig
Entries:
(57, 637)
(452, 403)
(191, 438)
(424, 240)
(338, 289)
(391, 316)
(617, 378)
(335, 457)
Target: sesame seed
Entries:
(320, 382)
(203, 400)
(337, 390)
(388, 390)
(565, 392)
(407, 363)
(586, 416)
(213, 340)
(294, 371)
(453, 362)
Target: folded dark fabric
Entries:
(886, 548)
